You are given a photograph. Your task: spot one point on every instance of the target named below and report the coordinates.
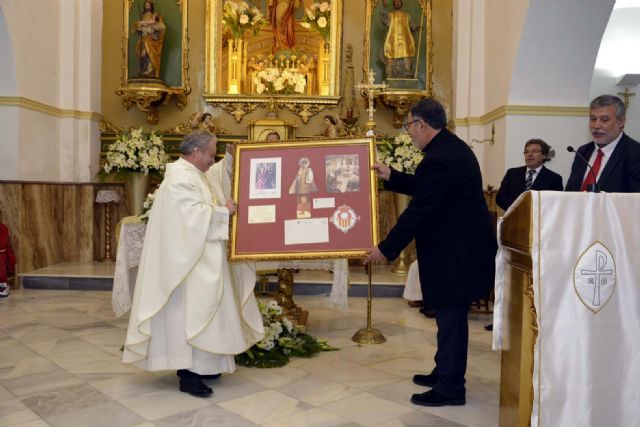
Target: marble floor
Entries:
(60, 366)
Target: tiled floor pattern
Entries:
(60, 366)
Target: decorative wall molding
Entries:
(39, 107)
(522, 110)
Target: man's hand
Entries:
(374, 256)
(383, 171)
(231, 205)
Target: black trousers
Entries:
(451, 357)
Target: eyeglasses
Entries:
(406, 125)
(532, 152)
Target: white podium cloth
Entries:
(586, 281)
(130, 248)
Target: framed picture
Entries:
(301, 200)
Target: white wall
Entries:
(618, 55)
(538, 56)
(54, 55)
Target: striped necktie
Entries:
(529, 182)
(595, 168)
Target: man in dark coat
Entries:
(455, 242)
(533, 176)
(613, 156)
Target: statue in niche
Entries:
(283, 21)
(151, 30)
(399, 44)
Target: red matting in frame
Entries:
(342, 195)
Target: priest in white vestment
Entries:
(189, 312)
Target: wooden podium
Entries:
(567, 312)
(520, 331)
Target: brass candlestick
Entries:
(369, 335)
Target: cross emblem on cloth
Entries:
(529, 182)
(599, 276)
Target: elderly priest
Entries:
(188, 312)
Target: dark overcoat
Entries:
(449, 219)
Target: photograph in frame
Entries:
(325, 206)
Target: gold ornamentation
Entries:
(304, 107)
(401, 102)
(323, 78)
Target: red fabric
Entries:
(7, 256)
(590, 179)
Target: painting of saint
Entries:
(303, 182)
(303, 207)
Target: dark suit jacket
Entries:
(621, 174)
(512, 184)
(449, 219)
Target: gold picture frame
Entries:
(304, 200)
(235, 96)
(401, 93)
(171, 80)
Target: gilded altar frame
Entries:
(174, 83)
(396, 97)
(343, 200)
(241, 103)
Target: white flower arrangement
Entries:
(401, 155)
(281, 341)
(273, 80)
(146, 206)
(239, 16)
(136, 152)
(318, 17)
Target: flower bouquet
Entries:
(400, 155)
(238, 16)
(318, 17)
(136, 152)
(281, 341)
(275, 81)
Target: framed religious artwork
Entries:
(304, 199)
(273, 54)
(399, 51)
(155, 62)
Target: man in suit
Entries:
(613, 156)
(455, 243)
(533, 176)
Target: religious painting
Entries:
(154, 54)
(310, 219)
(283, 49)
(398, 44)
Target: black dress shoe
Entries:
(425, 380)
(433, 398)
(489, 327)
(429, 313)
(195, 387)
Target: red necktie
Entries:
(591, 177)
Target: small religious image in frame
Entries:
(342, 173)
(265, 178)
(308, 219)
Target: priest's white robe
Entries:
(189, 311)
